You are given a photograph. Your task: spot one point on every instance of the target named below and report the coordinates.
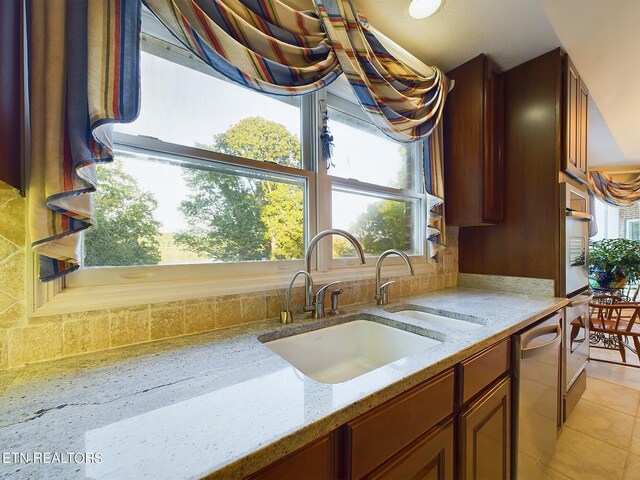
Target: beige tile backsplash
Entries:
(24, 341)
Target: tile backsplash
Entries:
(24, 341)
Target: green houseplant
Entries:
(614, 262)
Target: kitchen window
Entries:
(215, 184)
(378, 178)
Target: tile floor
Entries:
(601, 439)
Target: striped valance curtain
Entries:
(402, 103)
(612, 189)
(261, 44)
(84, 74)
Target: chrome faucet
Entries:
(382, 291)
(286, 316)
(318, 300)
(308, 304)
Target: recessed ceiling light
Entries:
(424, 8)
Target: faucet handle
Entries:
(320, 294)
(318, 300)
(334, 301)
(382, 295)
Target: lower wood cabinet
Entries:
(454, 425)
(373, 438)
(315, 461)
(428, 458)
(485, 435)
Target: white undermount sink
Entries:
(342, 352)
(440, 320)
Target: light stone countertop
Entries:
(221, 403)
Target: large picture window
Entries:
(214, 180)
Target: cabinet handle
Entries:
(579, 215)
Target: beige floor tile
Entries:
(618, 374)
(586, 458)
(529, 469)
(551, 474)
(602, 423)
(635, 439)
(612, 395)
(632, 467)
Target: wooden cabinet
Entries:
(473, 145)
(373, 438)
(576, 104)
(316, 461)
(11, 93)
(485, 435)
(429, 458)
(454, 425)
(477, 372)
(545, 115)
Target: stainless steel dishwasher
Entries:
(536, 396)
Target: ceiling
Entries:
(602, 41)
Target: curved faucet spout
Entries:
(382, 295)
(285, 314)
(313, 242)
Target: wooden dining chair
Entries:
(616, 325)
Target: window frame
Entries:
(629, 223)
(109, 287)
(337, 98)
(111, 275)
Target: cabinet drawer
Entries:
(479, 371)
(429, 457)
(377, 435)
(314, 461)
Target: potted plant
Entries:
(614, 262)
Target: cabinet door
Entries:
(485, 435)
(473, 145)
(575, 124)
(571, 118)
(429, 458)
(583, 127)
(493, 164)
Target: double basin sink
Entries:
(363, 343)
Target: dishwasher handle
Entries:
(528, 352)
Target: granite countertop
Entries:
(221, 403)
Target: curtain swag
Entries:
(613, 191)
(90, 52)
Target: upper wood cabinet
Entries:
(473, 145)
(545, 118)
(11, 93)
(576, 104)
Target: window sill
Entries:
(88, 298)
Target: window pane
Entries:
(378, 223)
(364, 153)
(153, 211)
(184, 106)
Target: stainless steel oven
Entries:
(576, 239)
(575, 286)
